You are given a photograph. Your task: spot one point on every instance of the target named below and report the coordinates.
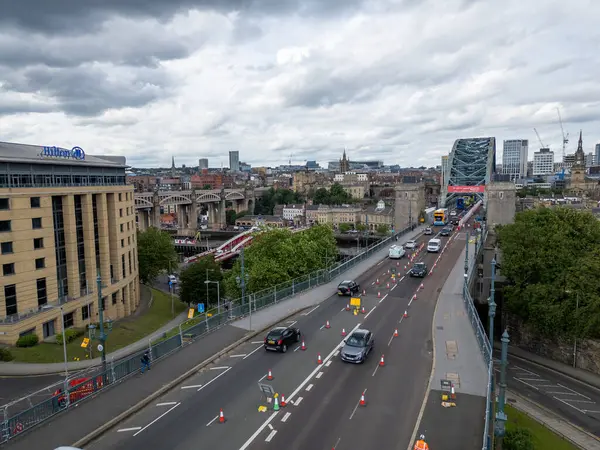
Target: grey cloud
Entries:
(89, 91)
(74, 17)
(8, 108)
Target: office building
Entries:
(543, 162)
(65, 218)
(445, 167)
(202, 164)
(597, 155)
(234, 161)
(514, 158)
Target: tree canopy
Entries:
(156, 254)
(264, 205)
(551, 258)
(335, 195)
(279, 255)
(192, 286)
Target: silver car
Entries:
(410, 244)
(357, 346)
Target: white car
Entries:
(396, 252)
(172, 279)
(410, 245)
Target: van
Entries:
(434, 245)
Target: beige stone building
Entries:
(334, 215)
(65, 218)
(376, 215)
(357, 191)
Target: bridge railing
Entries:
(480, 334)
(19, 417)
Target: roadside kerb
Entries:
(180, 379)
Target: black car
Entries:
(445, 232)
(418, 270)
(279, 339)
(348, 287)
(357, 346)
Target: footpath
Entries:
(128, 397)
(457, 360)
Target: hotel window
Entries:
(129, 257)
(42, 295)
(121, 227)
(5, 226)
(85, 312)
(114, 295)
(59, 247)
(80, 245)
(10, 299)
(38, 243)
(120, 197)
(35, 202)
(4, 204)
(121, 212)
(122, 243)
(40, 263)
(6, 248)
(68, 318)
(123, 265)
(36, 223)
(8, 269)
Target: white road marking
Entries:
(337, 443)
(292, 395)
(403, 277)
(238, 356)
(212, 421)
(286, 417)
(271, 427)
(194, 386)
(256, 342)
(369, 313)
(568, 404)
(291, 323)
(158, 418)
(590, 412)
(252, 352)
(328, 363)
(314, 309)
(526, 371)
(575, 392)
(383, 298)
(220, 375)
(271, 436)
(309, 387)
(573, 400)
(166, 404)
(356, 407)
(393, 287)
(375, 371)
(319, 375)
(373, 283)
(533, 379)
(219, 368)
(342, 310)
(528, 384)
(298, 348)
(337, 352)
(263, 377)
(123, 430)
(381, 262)
(322, 326)
(391, 339)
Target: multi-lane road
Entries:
(323, 408)
(572, 400)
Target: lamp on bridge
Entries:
(242, 281)
(207, 282)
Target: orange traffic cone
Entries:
(221, 416)
(452, 392)
(404, 267)
(377, 281)
(414, 297)
(347, 307)
(364, 292)
(319, 360)
(282, 403)
(343, 332)
(421, 286)
(269, 375)
(405, 314)
(362, 402)
(303, 347)
(378, 294)
(394, 280)
(327, 324)
(363, 310)
(381, 362)
(396, 332)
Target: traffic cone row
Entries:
(327, 325)
(363, 401)
(303, 346)
(377, 281)
(387, 285)
(396, 332)
(347, 307)
(363, 310)
(283, 402)
(269, 375)
(319, 360)
(405, 314)
(343, 332)
(378, 294)
(221, 416)
(381, 362)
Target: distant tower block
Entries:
(501, 203)
(410, 201)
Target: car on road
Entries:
(172, 279)
(396, 252)
(434, 245)
(348, 287)
(428, 231)
(410, 244)
(357, 346)
(418, 270)
(279, 339)
(445, 232)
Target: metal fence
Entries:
(482, 338)
(18, 418)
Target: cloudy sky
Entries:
(397, 80)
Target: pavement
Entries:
(459, 360)
(325, 397)
(95, 412)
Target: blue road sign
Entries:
(200, 308)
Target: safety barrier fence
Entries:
(19, 417)
(481, 336)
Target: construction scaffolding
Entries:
(471, 165)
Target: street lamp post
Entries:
(492, 304)
(501, 418)
(103, 333)
(64, 339)
(207, 282)
(241, 281)
(576, 331)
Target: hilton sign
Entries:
(76, 153)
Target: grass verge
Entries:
(125, 332)
(543, 438)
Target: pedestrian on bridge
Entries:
(145, 361)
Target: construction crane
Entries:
(539, 138)
(565, 137)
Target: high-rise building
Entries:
(514, 158)
(234, 161)
(65, 218)
(445, 168)
(543, 162)
(597, 155)
(202, 164)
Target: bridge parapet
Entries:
(163, 198)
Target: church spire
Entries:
(579, 154)
(580, 143)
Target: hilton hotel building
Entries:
(65, 218)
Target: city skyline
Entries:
(301, 81)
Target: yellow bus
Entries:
(440, 217)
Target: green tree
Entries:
(344, 227)
(551, 258)
(361, 227)
(230, 217)
(518, 439)
(264, 205)
(241, 214)
(207, 187)
(192, 286)
(279, 255)
(383, 229)
(335, 195)
(321, 197)
(156, 254)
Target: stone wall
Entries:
(588, 351)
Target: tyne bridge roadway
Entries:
(323, 409)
